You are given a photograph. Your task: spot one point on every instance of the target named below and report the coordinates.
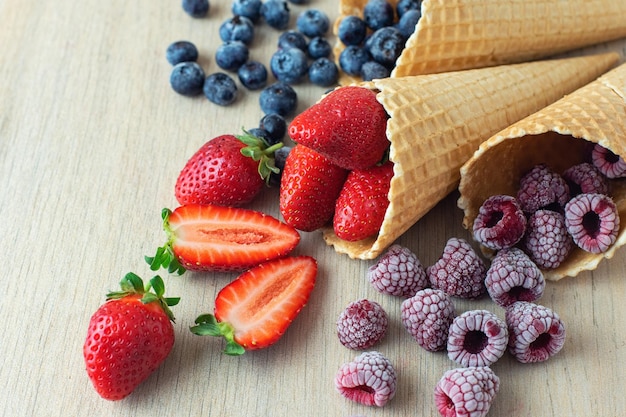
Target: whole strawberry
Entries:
(129, 336)
(309, 187)
(362, 203)
(226, 171)
(348, 126)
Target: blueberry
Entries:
(247, 8)
(237, 28)
(299, 1)
(279, 98)
(275, 125)
(253, 75)
(372, 70)
(276, 13)
(187, 78)
(352, 59)
(319, 47)
(352, 30)
(261, 134)
(196, 8)
(231, 55)
(385, 45)
(378, 14)
(289, 65)
(408, 21)
(280, 156)
(181, 51)
(313, 23)
(220, 88)
(323, 72)
(292, 39)
(404, 6)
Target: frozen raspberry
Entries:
(541, 188)
(466, 392)
(427, 317)
(362, 324)
(477, 338)
(593, 222)
(500, 222)
(547, 241)
(608, 163)
(585, 178)
(459, 272)
(369, 380)
(513, 276)
(398, 272)
(535, 332)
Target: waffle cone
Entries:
(438, 121)
(462, 34)
(558, 136)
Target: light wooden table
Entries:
(91, 141)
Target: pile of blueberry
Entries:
(302, 53)
(374, 43)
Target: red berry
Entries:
(369, 380)
(513, 276)
(500, 222)
(535, 332)
(427, 317)
(459, 272)
(398, 272)
(547, 242)
(477, 338)
(585, 178)
(466, 392)
(362, 324)
(540, 188)
(608, 163)
(593, 222)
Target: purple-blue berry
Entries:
(187, 78)
(292, 39)
(278, 98)
(408, 21)
(323, 72)
(372, 70)
(252, 75)
(352, 30)
(275, 125)
(196, 8)
(313, 22)
(220, 88)
(247, 8)
(231, 55)
(280, 156)
(237, 28)
(276, 13)
(181, 51)
(289, 65)
(385, 45)
(352, 59)
(319, 47)
(378, 14)
(404, 6)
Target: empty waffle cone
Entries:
(558, 136)
(438, 121)
(462, 34)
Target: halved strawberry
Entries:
(254, 310)
(217, 238)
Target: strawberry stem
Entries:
(207, 325)
(133, 284)
(258, 149)
(164, 256)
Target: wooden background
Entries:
(91, 141)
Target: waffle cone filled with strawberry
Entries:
(580, 141)
(434, 124)
(452, 35)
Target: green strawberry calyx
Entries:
(152, 292)
(259, 150)
(164, 256)
(207, 325)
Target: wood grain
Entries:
(91, 141)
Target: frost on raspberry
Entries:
(536, 333)
(513, 276)
(585, 178)
(593, 222)
(607, 162)
(477, 338)
(427, 317)
(369, 380)
(500, 222)
(398, 272)
(459, 272)
(547, 241)
(541, 187)
(362, 324)
(466, 392)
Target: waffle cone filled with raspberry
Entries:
(559, 136)
(438, 121)
(454, 35)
